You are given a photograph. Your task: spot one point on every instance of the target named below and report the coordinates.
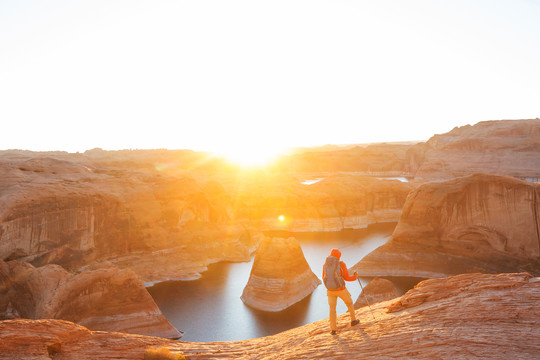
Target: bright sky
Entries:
(256, 76)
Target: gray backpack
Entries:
(332, 274)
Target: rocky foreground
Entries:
(460, 317)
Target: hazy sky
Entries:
(228, 75)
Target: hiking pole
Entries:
(365, 297)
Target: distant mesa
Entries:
(375, 291)
(477, 223)
(280, 276)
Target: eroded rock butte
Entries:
(280, 276)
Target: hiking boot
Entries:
(355, 322)
(333, 332)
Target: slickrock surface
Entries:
(280, 276)
(469, 316)
(478, 223)
(105, 298)
(506, 147)
(375, 291)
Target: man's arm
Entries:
(345, 272)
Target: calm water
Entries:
(210, 309)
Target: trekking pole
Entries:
(365, 297)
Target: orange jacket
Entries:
(343, 268)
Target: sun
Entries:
(250, 156)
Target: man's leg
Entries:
(345, 295)
(332, 302)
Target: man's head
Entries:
(335, 253)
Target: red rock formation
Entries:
(510, 147)
(478, 223)
(280, 276)
(461, 317)
(74, 210)
(375, 291)
(105, 298)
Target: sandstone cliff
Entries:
(375, 291)
(509, 147)
(478, 223)
(73, 210)
(104, 298)
(461, 317)
(280, 276)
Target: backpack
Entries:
(332, 274)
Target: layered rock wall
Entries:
(476, 223)
(509, 147)
(56, 211)
(32, 229)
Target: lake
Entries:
(210, 309)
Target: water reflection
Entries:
(311, 182)
(267, 323)
(210, 309)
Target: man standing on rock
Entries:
(334, 275)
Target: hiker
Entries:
(334, 275)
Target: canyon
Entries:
(158, 215)
(460, 317)
(108, 219)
